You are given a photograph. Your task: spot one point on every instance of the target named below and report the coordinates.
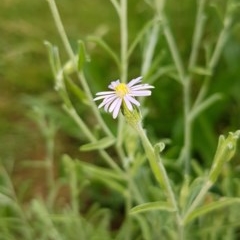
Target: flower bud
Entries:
(225, 151)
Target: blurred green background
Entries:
(26, 78)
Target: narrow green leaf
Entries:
(75, 90)
(54, 58)
(56, 66)
(193, 191)
(82, 57)
(43, 215)
(107, 176)
(224, 202)
(5, 200)
(152, 206)
(150, 44)
(101, 144)
(115, 185)
(98, 171)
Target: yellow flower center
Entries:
(121, 90)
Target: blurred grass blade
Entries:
(5, 200)
(143, 222)
(41, 212)
(149, 48)
(139, 36)
(101, 144)
(211, 207)
(108, 177)
(152, 206)
(34, 164)
(165, 70)
(105, 46)
(204, 105)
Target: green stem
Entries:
(150, 48)
(203, 91)
(160, 173)
(124, 40)
(199, 23)
(48, 131)
(60, 28)
(128, 206)
(198, 30)
(93, 105)
(197, 200)
(186, 83)
(124, 64)
(49, 161)
(74, 191)
(27, 229)
(72, 112)
(116, 6)
(124, 76)
(221, 42)
(187, 126)
(174, 50)
(215, 56)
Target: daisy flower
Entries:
(122, 93)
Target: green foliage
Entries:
(120, 185)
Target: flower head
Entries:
(123, 94)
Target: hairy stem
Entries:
(160, 173)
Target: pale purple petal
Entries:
(134, 81)
(105, 93)
(128, 103)
(101, 104)
(107, 106)
(140, 93)
(114, 104)
(107, 100)
(117, 109)
(102, 97)
(114, 84)
(110, 98)
(133, 100)
(141, 87)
